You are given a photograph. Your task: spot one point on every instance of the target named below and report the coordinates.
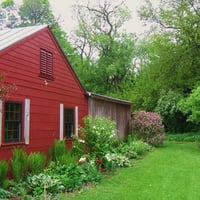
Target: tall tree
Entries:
(174, 57)
(9, 14)
(36, 12)
(99, 40)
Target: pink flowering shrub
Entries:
(148, 127)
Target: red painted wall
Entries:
(21, 63)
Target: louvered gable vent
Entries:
(46, 64)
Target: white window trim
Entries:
(76, 121)
(26, 121)
(61, 135)
(61, 125)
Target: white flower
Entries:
(112, 136)
(82, 159)
(81, 141)
(108, 157)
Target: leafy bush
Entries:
(19, 163)
(60, 154)
(3, 171)
(44, 183)
(98, 135)
(127, 150)
(173, 119)
(191, 106)
(36, 162)
(140, 147)
(57, 150)
(148, 127)
(184, 137)
(4, 194)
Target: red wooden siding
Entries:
(21, 64)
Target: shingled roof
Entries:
(11, 36)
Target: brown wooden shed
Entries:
(111, 108)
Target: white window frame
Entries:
(61, 124)
(25, 120)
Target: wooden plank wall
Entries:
(120, 113)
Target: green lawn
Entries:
(171, 172)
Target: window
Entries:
(13, 122)
(68, 122)
(46, 64)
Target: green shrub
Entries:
(97, 135)
(57, 150)
(4, 194)
(68, 158)
(140, 147)
(19, 163)
(184, 137)
(60, 154)
(3, 171)
(173, 119)
(191, 107)
(127, 150)
(147, 126)
(36, 162)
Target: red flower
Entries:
(101, 169)
(80, 163)
(99, 161)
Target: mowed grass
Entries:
(168, 173)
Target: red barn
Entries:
(49, 102)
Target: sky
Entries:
(65, 11)
(63, 8)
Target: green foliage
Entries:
(128, 150)
(118, 62)
(191, 106)
(36, 162)
(19, 163)
(171, 59)
(3, 171)
(148, 127)
(98, 135)
(106, 53)
(118, 160)
(4, 194)
(61, 155)
(44, 183)
(140, 147)
(167, 106)
(184, 137)
(68, 158)
(7, 3)
(36, 12)
(171, 168)
(61, 178)
(57, 150)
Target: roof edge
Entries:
(106, 98)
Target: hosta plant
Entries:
(118, 159)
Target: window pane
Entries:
(68, 122)
(13, 121)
